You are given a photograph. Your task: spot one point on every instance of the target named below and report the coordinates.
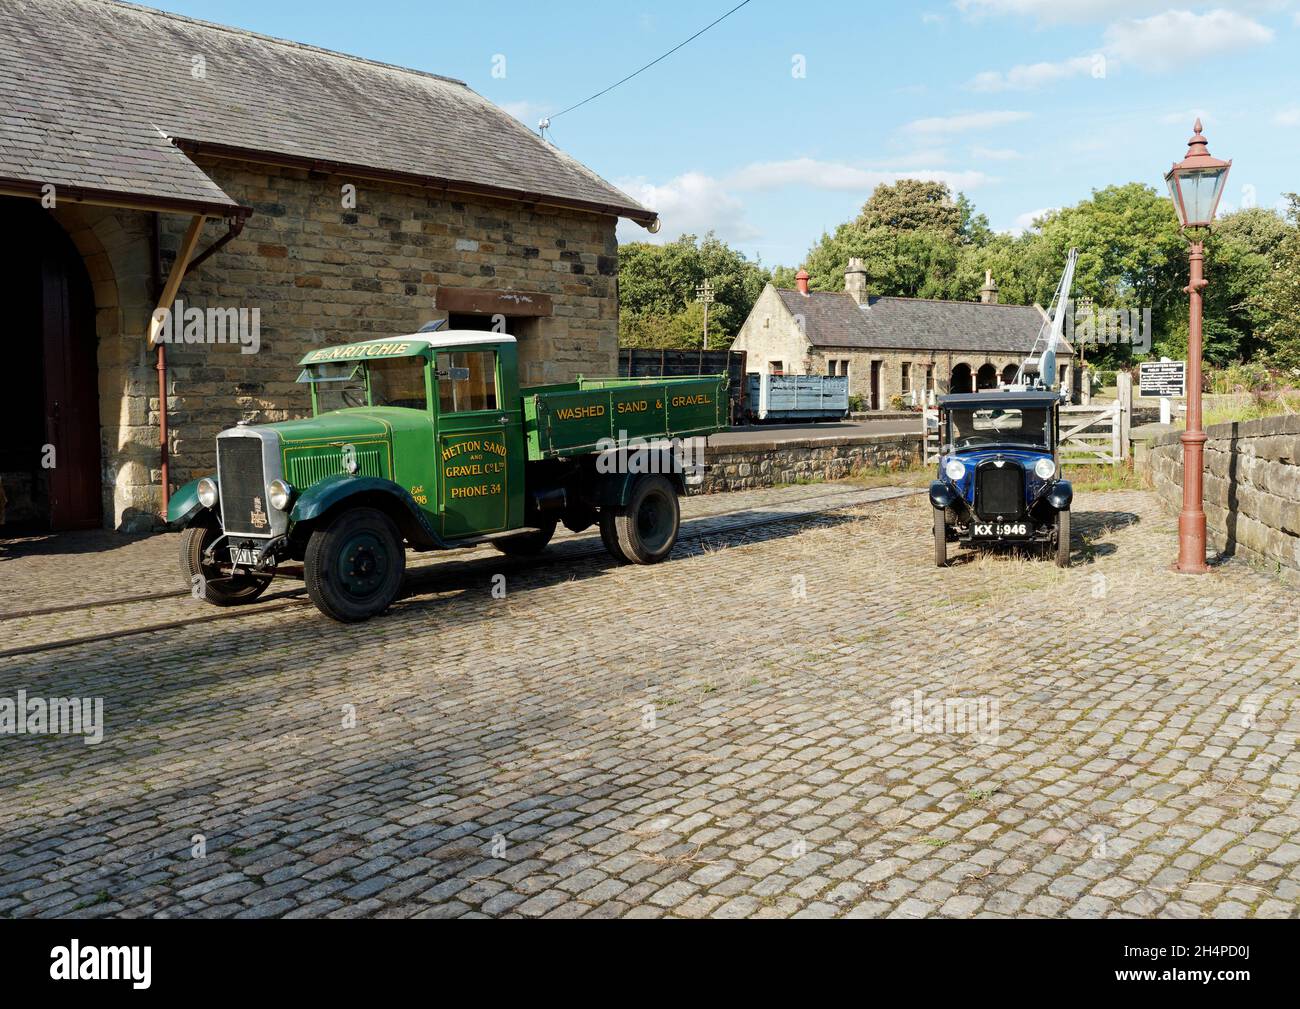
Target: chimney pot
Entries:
(801, 281)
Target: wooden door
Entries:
(71, 387)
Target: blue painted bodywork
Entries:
(965, 487)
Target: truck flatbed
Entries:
(573, 418)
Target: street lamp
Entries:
(1195, 184)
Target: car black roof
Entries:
(1000, 397)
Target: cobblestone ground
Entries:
(747, 730)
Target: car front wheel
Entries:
(940, 539)
(1063, 539)
(354, 565)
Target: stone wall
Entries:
(321, 273)
(1252, 487)
(767, 463)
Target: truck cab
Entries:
(428, 441)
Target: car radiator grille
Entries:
(999, 490)
(243, 486)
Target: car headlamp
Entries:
(207, 492)
(955, 469)
(279, 493)
(1045, 469)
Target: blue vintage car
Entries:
(1000, 474)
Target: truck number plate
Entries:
(245, 556)
(997, 530)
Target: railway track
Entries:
(424, 577)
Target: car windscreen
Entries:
(998, 425)
(398, 381)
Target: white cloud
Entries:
(995, 154)
(810, 173)
(692, 203)
(1178, 38)
(943, 125)
(1050, 11)
(1028, 76)
(1288, 117)
(931, 18)
(1026, 220)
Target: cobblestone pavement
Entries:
(731, 733)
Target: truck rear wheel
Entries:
(207, 581)
(526, 544)
(609, 536)
(647, 528)
(354, 565)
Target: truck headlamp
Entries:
(279, 493)
(207, 492)
(955, 470)
(1045, 469)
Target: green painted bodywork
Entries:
(183, 504)
(571, 419)
(464, 473)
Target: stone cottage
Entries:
(288, 195)
(892, 347)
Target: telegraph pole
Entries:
(704, 295)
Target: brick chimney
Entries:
(801, 282)
(989, 292)
(855, 281)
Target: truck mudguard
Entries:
(183, 505)
(320, 497)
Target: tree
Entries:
(657, 286)
(914, 205)
(1278, 299)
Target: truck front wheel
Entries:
(647, 528)
(207, 581)
(354, 565)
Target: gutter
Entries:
(646, 218)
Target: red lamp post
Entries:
(1195, 184)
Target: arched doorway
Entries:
(49, 415)
(986, 377)
(960, 379)
(1009, 374)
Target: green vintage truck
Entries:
(428, 441)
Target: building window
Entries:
(907, 377)
(776, 367)
(929, 377)
(837, 366)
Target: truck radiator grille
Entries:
(999, 490)
(243, 486)
(309, 468)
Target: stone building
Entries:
(892, 347)
(310, 196)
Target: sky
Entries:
(777, 124)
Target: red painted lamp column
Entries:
(1195, 184)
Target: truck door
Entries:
(473, 461)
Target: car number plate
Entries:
(245, 556)
(1001, 530)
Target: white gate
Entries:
(1090, 435)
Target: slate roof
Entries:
(92, 90)
(834, 319)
